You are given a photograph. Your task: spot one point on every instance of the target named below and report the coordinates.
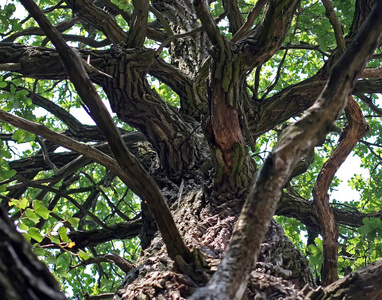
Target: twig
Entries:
(127, 168)
(45, 155)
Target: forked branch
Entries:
(134, 175)
(295, 141)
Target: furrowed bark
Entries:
(22, 276)
(136, 177)
(355, 129)
(363, 284)
(234, 15)
(99, 19)
(301, 209)
(269, 34)
(233, 168)
(293, 143)
(137, 33)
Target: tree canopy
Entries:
(174, 149)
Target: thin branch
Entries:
(71, 200)
(338, 32)
(63, 141)
(63, 26)
(254, 13)
(45, 155)
(294, 142)
(370, 104)
(122, 263)
(278, 74)
(131, 171)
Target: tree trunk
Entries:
(207, 210)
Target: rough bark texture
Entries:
(355, 129)
(206, 224)
(22, 276)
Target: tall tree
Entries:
(208, 119)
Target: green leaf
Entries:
(40, 209)
(35, 234)
(14, 202)
(39, 251)
(74, 221)
(83, 255)
(62, 272)
(64, 237)
(31, 215)
(23, 203)
(22, 226)
(55, 239)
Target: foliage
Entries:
(47, 211)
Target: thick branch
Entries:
(293, 143)
(234, 15)
(355, 129)
(208, 23)
(135, 176)
(98, 18)
(364, 284)
(254, 13)
(301, 209)
(270, 33)
(137, 33)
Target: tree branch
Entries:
(301, 209)
(369, 277)
(234, 15)
(338, 32)
(137, 33)
(134, 175)
(254, 13)
(208, 23)
(294, 142)
(268, 35)
(98, 18)
(355, 129)
(63, 26)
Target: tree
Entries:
(226, 114)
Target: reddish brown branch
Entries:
(355, 129)
(294, 142)
(255, 12)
